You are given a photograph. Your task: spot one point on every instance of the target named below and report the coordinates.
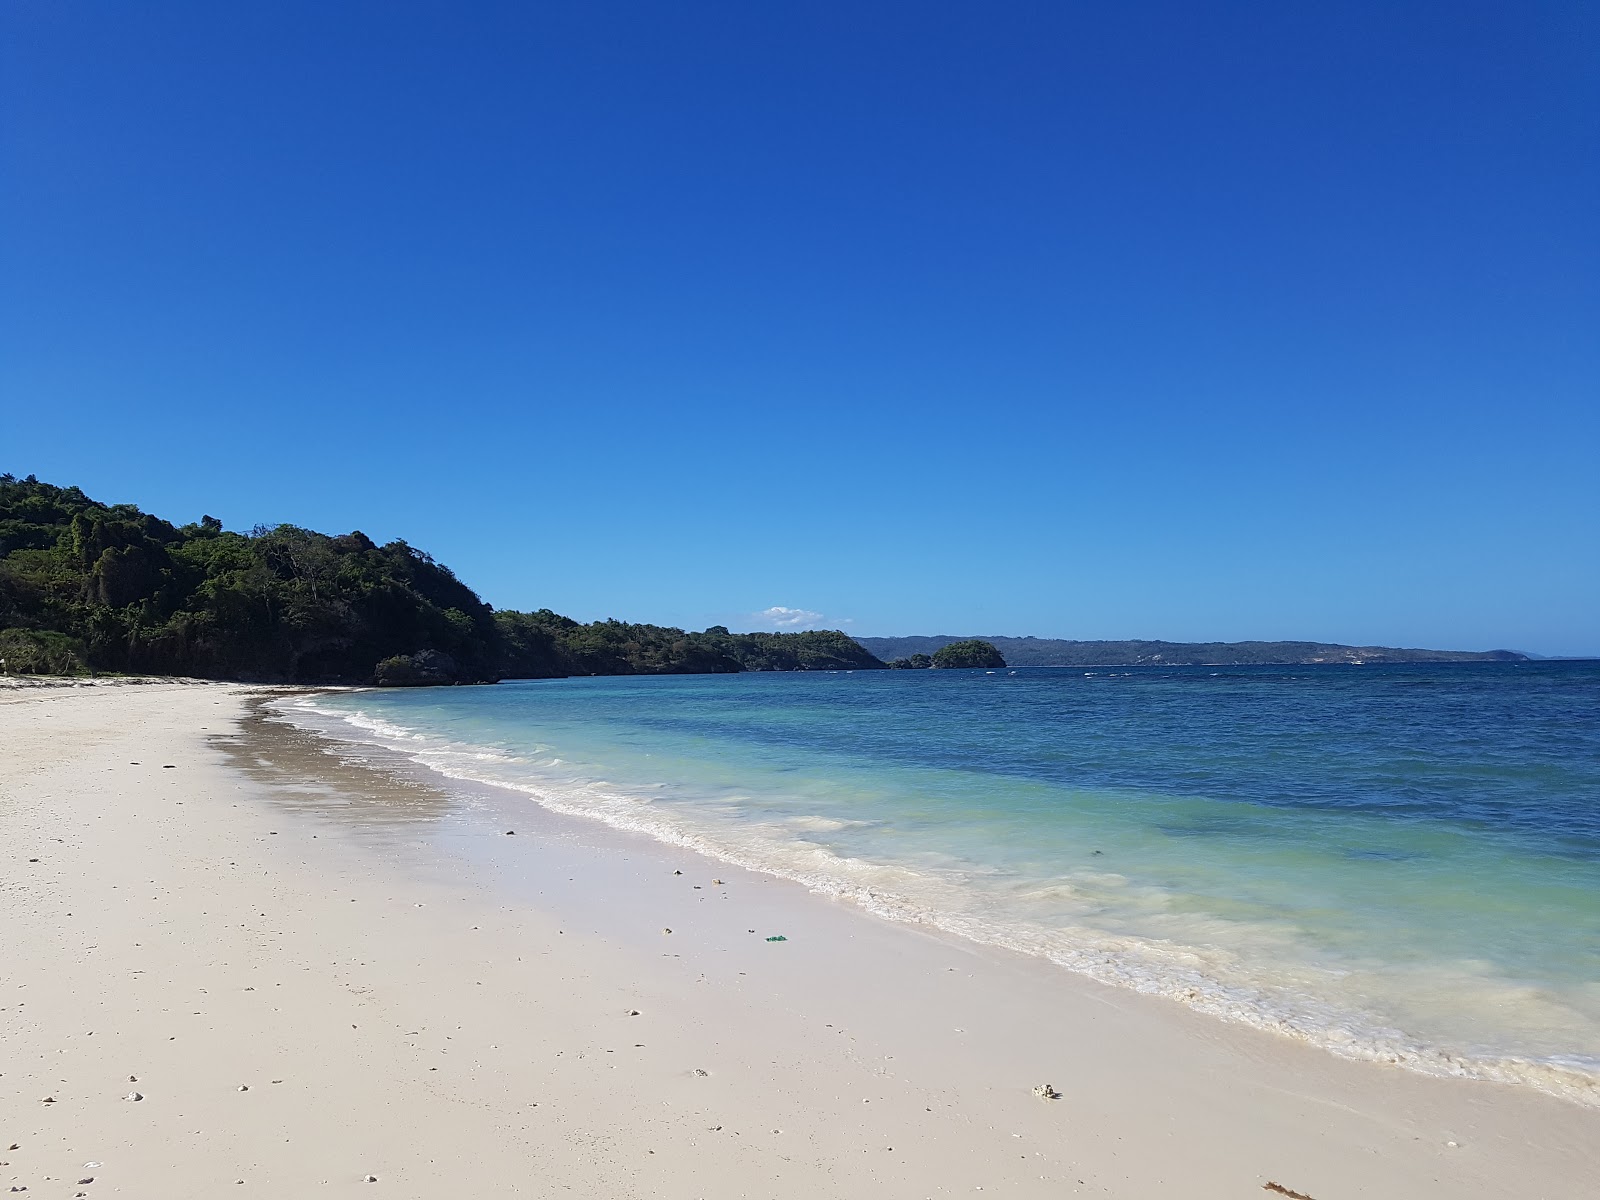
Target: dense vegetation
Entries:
(953, 654)
(971, 653)
(916, 662)
(541, 640)
(1051, 652)
(86, 586)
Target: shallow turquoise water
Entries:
(1394, 862)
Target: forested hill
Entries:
(1053, 652)
(86, 586)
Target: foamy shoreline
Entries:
(1199, 977)
(448, 1009)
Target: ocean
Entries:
(1399, 863)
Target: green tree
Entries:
(90, 586)
(916, 662)
(973, 653)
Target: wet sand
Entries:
(312, 971)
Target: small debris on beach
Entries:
(701, 1074)
(370, 1179)
(1046, 1091)
(677, 872)
(664, 929)
(48, 1100)
(1270, 1186)
(633, 1012)
(135, 1096)
(716, 883)
(511, 833)
(169, 766)
(86, 1179)
(244, 1087)
(777, 937)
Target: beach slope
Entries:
(237, 963)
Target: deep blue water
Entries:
(1400, 862)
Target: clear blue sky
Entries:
(1084, 320)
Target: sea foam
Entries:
(1126, 927)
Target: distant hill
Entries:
(86, 586)
(1055, 652)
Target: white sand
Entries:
(408, 993)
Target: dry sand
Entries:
(314, 972)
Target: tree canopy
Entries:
(971, 653)
(86, 586)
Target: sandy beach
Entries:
(236, 962)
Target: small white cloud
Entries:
(780, 617)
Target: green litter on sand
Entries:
(779, 938)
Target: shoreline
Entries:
(449, 1007)
(1174, 971)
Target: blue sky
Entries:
(1155, 320)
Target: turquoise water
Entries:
(1399, 863)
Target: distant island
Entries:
(89, 587)
(1055, 652)
(965, 655)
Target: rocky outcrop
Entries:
(425, 668)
